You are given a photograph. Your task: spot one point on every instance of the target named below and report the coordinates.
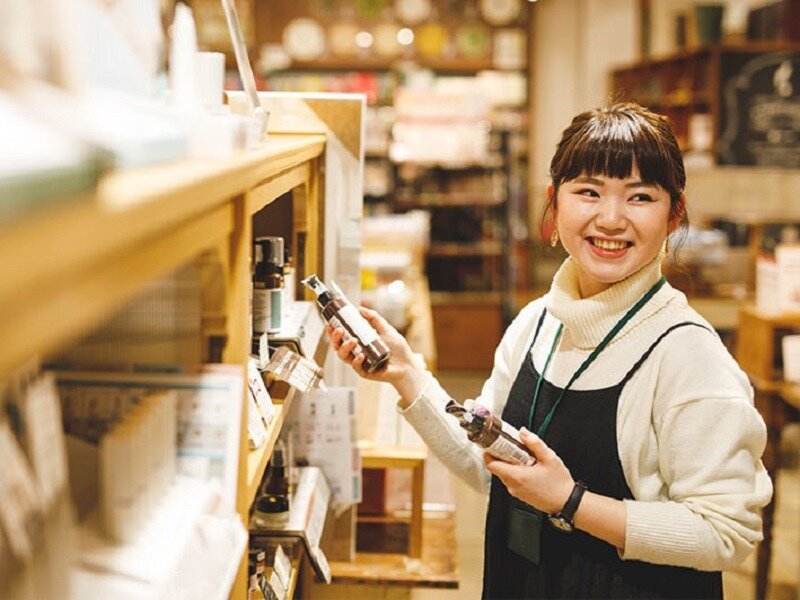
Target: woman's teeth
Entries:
(609, 244)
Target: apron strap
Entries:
(652, 347)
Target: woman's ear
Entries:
(676, 214)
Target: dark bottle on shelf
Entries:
(340, 312)
(277, 480)
(267, 285)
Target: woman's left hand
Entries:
(546, 485)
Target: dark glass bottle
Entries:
(340, 312)
(491, 433)
(268, 285)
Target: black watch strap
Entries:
(568, 512)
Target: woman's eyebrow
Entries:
(589, 180)
(634, 184)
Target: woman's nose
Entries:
(610, 215)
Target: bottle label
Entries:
(275, 311)
(360, 326)
(261, 310)
(505, 449)
(335, 322)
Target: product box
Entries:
(778, 280)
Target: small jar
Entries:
(271, 511)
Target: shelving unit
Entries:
(257, 459)
(701, 81)
(380, 77)
(70, 267)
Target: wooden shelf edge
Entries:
(76, 301)
(294, 577)
(257, 459)
(270, 190)
(790, 392)
(467, 298)
(133, 207)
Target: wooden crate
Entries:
(758, 346)
(466, 335)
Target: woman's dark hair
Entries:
(609, 141)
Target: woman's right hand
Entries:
(402, 370)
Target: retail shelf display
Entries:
(725, 101)
(138, 226)
(257, 459)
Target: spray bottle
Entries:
(338, 311)
(494, 435)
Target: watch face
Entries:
(561, 523)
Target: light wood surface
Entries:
(403, 457)
(39, 320)
(133, 206)
(67, 268)
(790, 392)
(437, 567)
(383, 457)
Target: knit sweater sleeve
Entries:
(441, 432)
(710, 441)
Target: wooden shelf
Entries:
(294, 577)
(257, 459)
(466, 298)
(366, 63)
(71, 266)
(445, 199)
(438, 567)
(455, 249)
(492, 162)
(790, 392)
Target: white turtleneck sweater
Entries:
(689, 439)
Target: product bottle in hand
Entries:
(340, 312)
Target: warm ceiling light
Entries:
(364, 39)
(405, 37)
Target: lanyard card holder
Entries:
(525, 530)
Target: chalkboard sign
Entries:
(760, 109)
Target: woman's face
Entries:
(611, 227)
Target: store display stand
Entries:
(142, 224)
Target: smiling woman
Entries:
(613, 209)
(648, 480)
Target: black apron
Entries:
(578, 565)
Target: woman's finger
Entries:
(535, 444)
(337, 334)
(345, 351)
(378, 323)
(358, 364)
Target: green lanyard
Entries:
(589, 360)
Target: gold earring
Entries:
(554, 238)
(666, 246)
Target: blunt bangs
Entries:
(610, 142)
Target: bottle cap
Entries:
(272, 503)
(324, 295)
(272, 248)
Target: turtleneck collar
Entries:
(588, 320)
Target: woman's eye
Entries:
(589, 193)
(642, 198)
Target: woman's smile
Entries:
(608, 248)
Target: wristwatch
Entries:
(563, 519)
